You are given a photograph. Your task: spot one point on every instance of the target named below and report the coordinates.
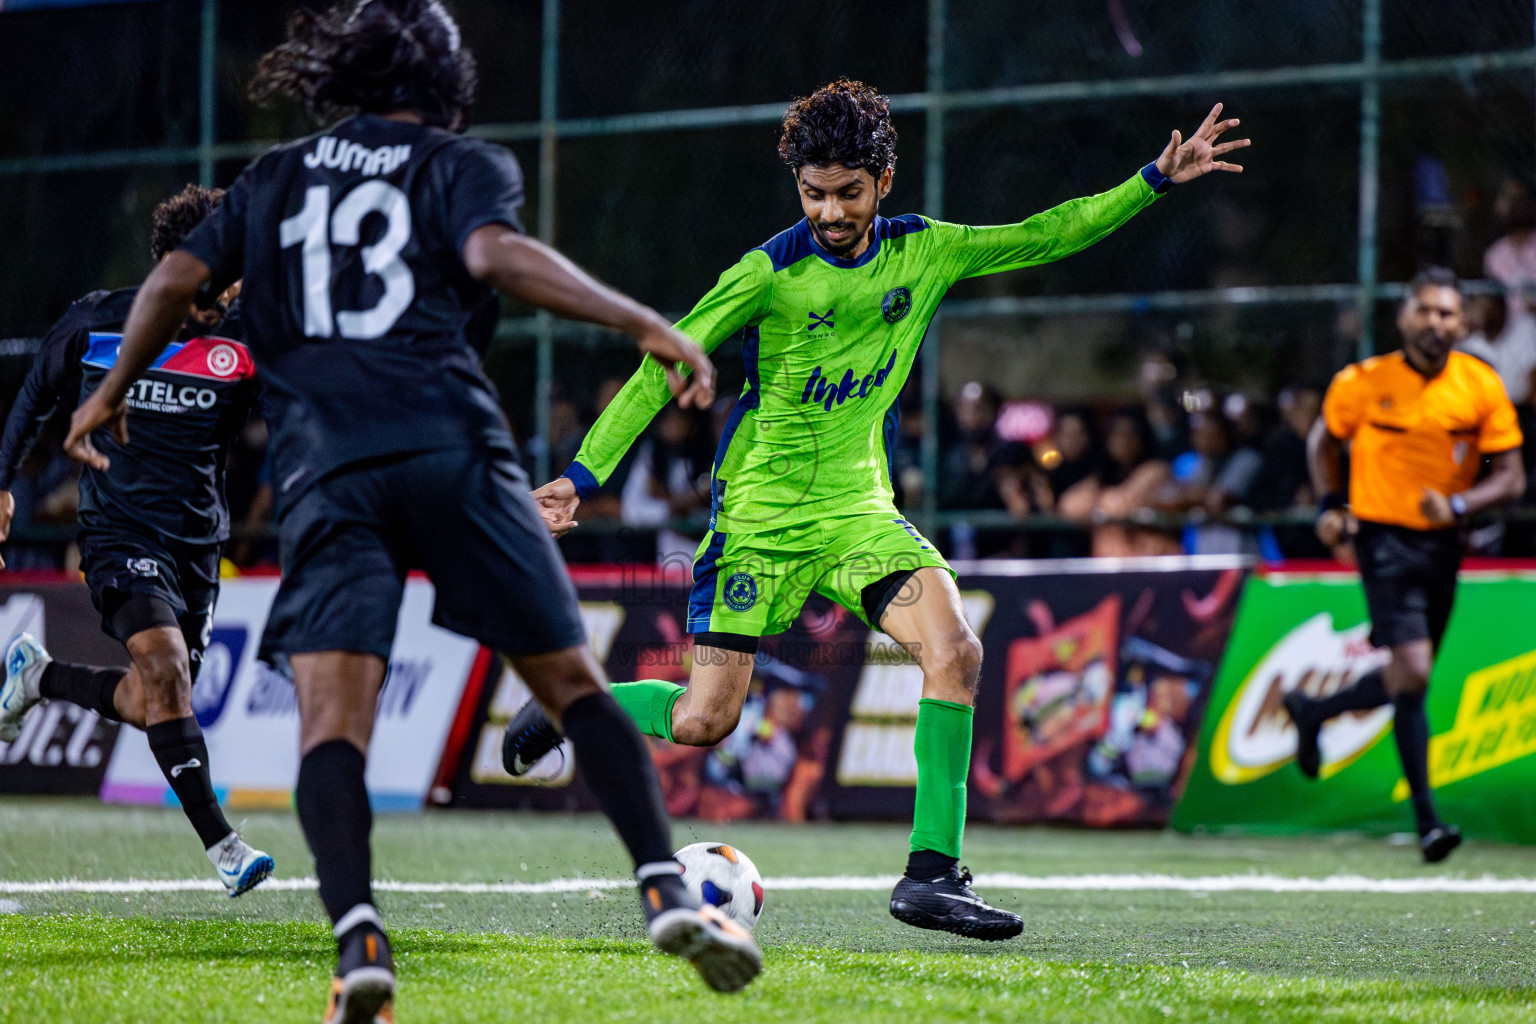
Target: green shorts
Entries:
(754, 584)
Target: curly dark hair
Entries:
(177, 216)
(375, 56)
(846, 123)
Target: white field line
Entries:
(1486, 885)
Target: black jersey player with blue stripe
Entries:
(152, 527)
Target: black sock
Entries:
(1364, 694)
(926, 864)
(332, 801)
(621, 775)
(1410, 726)
(183, 756)
(86, 685)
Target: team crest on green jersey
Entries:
(740, 592)
(896, 304)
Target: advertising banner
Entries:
(1310, 631)
(1095, 677)
(250, 719)
(62, 749)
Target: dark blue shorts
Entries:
(122, 565)
(463, 516)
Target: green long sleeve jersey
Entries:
(828, 345)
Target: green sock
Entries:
(649, 702)
(943, 746)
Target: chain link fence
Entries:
(1381, 133)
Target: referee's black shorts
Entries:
(1410, 581)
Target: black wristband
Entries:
(1332, 501)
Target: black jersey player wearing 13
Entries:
(151, 531)
(370, 255)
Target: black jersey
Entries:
(169, 478)
(356, 302)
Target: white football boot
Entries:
(25, 660)
(241, 867)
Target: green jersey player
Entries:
(834, 310)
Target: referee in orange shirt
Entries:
(1419, 423)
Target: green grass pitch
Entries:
(1086, 956)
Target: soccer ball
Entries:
(724, 877)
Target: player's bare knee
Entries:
(165, 675)
(953, 666)
(705, 730)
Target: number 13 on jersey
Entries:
(316, 228)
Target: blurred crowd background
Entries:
(1150, 396)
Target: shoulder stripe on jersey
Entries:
(214, 358)
(102, 350)
(789, 247)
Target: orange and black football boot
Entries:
(363, 990)
(721, 950)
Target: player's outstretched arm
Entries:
(524, 268)
(1076, 224)
(158, 312)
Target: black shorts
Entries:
(462, 515)
(1410, 581)
(122, 567)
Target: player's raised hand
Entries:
(669, 346)
(94, 413)
(557, 501)
(1182, 161)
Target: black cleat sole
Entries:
(986, 931)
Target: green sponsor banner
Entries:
(1311, 631)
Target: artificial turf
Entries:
(831, 956)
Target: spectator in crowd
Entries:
(1511, 260)
(1075, 456)
(1213, 477)
(967, 474)
(1158, 382)
(982, 471)
(1122, 488)
(1507, 345)
(1284, 481)
(668, 481)
(566, 431)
